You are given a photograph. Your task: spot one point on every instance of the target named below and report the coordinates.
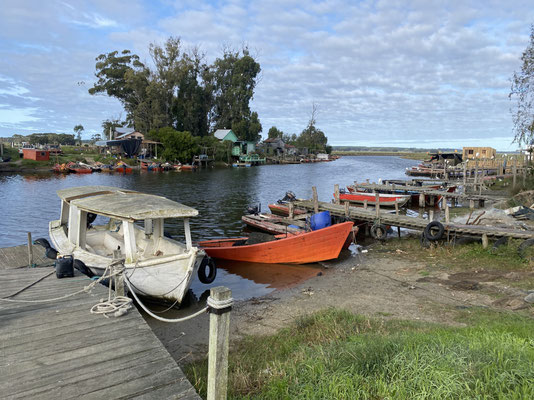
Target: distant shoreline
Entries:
(401, 154)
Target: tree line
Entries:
(181, 91)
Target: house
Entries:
(478, 153)
(225, 134)
(290, 150)
(274, 146)
(36, 154)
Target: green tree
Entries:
(109, 125)
(274, 132)
(79, 129)
(177, 146)
(312, 138)
(523, 91)
(232, 80)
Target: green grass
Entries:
(337, 355)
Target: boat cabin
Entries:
(135, 226)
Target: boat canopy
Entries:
(124, 204)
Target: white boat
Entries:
(132, 222)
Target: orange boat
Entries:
(309, 247)
(283, 209)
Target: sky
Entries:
(418, 73)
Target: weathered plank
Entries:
(60, 350)
(17, 256)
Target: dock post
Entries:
(421, 200)
(514, 179)
(119, 279)
(30, 250)
(315, 200)
(336, 193)
(471, 204)
(465, 173)
(291, 210)
(365, 203)
(431, 215)
(396, 208)
(377, 204)
(347, 209)
(447, 212)
(219, 342)
(485, 241)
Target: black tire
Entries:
(42, 242)
(434, 231)
(524, 246)
(378, 231)
(499, 242)
(208, 278)
(80, 266)
(51, 253)
(467, 240)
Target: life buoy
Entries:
(378, 231)
(207, 263)
(434, 231)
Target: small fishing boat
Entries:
(151, 166)
(430, 199)
(61, 168)
(271, 224)
(188, 167)
(309, 247)
(383, 199)
(131, 223)
(283, 209)
(122, 168)
(79, 168)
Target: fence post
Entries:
(220, 304)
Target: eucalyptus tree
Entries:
(522, 91)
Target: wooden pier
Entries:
(59, 350)
(402, 221)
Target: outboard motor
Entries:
(290, 196)
(254, 209)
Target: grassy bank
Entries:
(408, 155)
(337, 355)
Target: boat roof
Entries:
(123, 203)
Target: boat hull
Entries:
(320, 245)
(383, 199)
(167, 279)
(283, 210)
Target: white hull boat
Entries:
(132, 226)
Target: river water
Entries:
(29, 201)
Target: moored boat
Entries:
(79, 168)
(370, 198)
(283, 209)
(271, 224)
(320, 245)
(155, 265)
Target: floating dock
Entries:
(59, 350)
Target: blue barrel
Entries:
(320, 220)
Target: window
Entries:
(469, 151)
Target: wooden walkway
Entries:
(403, 221)
(59, 350)
(15, 257)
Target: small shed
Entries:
(36, 154)
(478, 152)
(225, 134)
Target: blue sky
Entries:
(382, 73)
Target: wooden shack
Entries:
(478, 153)
(36, 154)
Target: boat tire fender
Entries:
(499, 242)
(378, 231)
(524, 246)
(204, 276)
(80, 266)
(434, 231)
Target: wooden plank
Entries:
(60, 350)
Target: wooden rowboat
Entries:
(320, 245)
(283, 209)
(383, 199)
(271, 224)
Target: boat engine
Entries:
(290, 196)
(254, 209)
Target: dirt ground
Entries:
(373, 283)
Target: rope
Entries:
(117, 306)
(29, 286)
(220, 304)
(203, 310)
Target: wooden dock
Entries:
(403, 221)
(59, 350)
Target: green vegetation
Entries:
(337, 355)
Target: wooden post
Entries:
(346, 209)
(431, 214)
(465, 172)
(291, 209)
(218, 344)
(336, 193)
(471, 204)
(476, 171)
(396, 207)
(421, 200)
(514, 171)
(524, 175)
(30, 250)
(315, 200)
(377, 204)
(119, 279)
(447, 213)
(485, 241)
(365, 204)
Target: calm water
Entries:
(29, 202)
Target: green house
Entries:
(225, 134)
